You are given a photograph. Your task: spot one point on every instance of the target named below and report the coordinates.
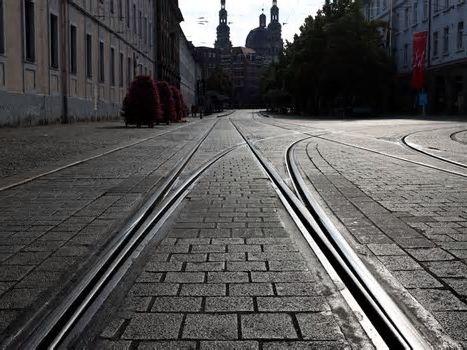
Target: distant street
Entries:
(224, 259)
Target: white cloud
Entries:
(202, 18)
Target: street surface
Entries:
(232, 270)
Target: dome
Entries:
(258, 40)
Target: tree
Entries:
(336, 63)
(219, 82)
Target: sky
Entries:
(202, 18)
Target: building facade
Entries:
(168, 18)
(444, 22)
(190, 73)
(70, 60)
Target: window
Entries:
(112, 66)
(446, 4)
(446, 40)
(128, 13)
(135, 26)
(140, 26)
(121, 70)
(2, 30)
(145, 30)
(120, 9)
(53, 41)
(435, 44)
(150, 34)
(425, 9)
(128, 71)
(406, 54)
(415, 12)
(406, 18)
(112, 6)
(73, 51)
(460, 35)
(436, 5)
(88, 56)
(30, 32)
(101, 63)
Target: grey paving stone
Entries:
(183, 233)
(18, 298)
(163, 266)
(154, 289)
(173, 249)
(301, 289)
(431, 254)
(228, 241)
(280, 248)
(185, 277)
(246, 266)
(27, 258)
(438, 300)
(268, 241)
(189, 257)
(229, 345)
(205, 266)
(290, 276)
(319, 326)
(274, 256)
(6, 318)
(177, 304)
(292, 304)
(190, 241)
(243, 248)
(210, 327)
(459, 285)
(136, 304)
(229, 304)
(208, 289)
(399, 263)
(267, 326)
(153, 326)
(14, 273)
(309, 345)
(416, 279)
(40, 278)
(208, 248)
(251, 289)
(227, 257)
(227, 277)
(455, 323)
(167, 345)
(149, 277)
(448, 268)
(385, 249)
(289, 265)
(113, 345)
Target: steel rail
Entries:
(45, 325)
(418, 148)
(384, 314)
(455, 138)
(452, 172)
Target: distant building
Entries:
(168, 34)
(71, 60)
(446, 62)
(190, 73)
(244, 65)
(267, 41)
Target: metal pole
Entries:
(391, 8)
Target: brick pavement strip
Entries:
(240, 290)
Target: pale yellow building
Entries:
(71, 59)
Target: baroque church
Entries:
(244, 65)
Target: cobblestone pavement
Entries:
(232, 274)
(53, 227)
(407, 221)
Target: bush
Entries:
(169, 113)
(142, 105)
(180, 106)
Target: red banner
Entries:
(419, 59)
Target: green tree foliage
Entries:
(336, 64)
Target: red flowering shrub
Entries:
(180, 106)
(169, 112)
(142, 105)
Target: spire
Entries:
(262, 20)
(274, 12)
(223, 30)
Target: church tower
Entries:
(223, 30)
(275, 30)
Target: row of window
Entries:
(445, 42)
(145, 32)
(141, 26)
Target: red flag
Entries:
(418, 61)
